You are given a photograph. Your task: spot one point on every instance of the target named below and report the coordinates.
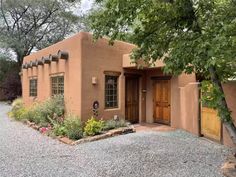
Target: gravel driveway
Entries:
(25, 152)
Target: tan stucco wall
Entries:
(70, 69)
(96, 58)
(185, 100)
(189, 108)
(230, 94)
(87, 59)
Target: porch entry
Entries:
(161, 101)
(132, 98)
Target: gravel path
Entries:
(25, 152)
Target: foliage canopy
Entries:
(28, 25)
(189, 35)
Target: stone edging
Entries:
(110, 133)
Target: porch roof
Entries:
(127, 63)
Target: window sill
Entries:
(33, 98)
(111, 109)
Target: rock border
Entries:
(107, 134)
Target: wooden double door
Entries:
(132, 99)
(161, 101)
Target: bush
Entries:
(93, 127)
(51, 111)
(112, 124)
(73, 127)
(19, 112)
(59, 130)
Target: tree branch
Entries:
(4, 17)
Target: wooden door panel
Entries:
(132, 99)
(166, 114)
(158, 112)
(165, 92)
(161, 101)
(158, 91)
(210, 124)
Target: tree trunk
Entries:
(19, 60)
(230, 127)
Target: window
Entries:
(111, 91)
(33, 87)
(57, 85)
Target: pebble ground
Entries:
(26, 153)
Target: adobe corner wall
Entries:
(185, 103)
(230, 94)
(70, 69)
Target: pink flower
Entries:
(43, 129)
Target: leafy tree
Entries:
(28, 25)
(191, 35)
(10, 82)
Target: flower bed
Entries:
(49, 119)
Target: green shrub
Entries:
(59, 130)
(18, 112)
(17, 104)
(50, 111)
(93, 127)
(73, 127)
(112, 124)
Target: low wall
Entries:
(189, 108)
(230, 95)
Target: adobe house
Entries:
(97, 79)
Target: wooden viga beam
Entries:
(53, 58)
(63, 55)
(25, 65)
(46, 60)
(39, 62)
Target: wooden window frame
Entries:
(115, 96)
(33, 87)
(57, 88)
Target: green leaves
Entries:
(191, 37)
(212, 97)
(27, 25)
